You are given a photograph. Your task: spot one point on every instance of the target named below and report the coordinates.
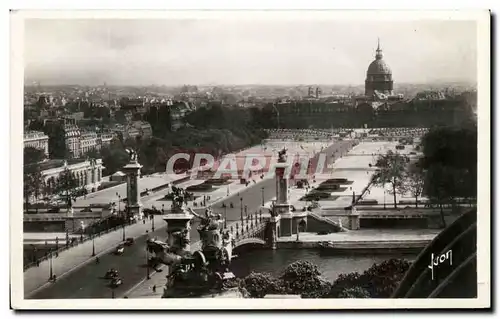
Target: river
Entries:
(331, 266)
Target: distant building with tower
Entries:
(378, 77)
(314, 92)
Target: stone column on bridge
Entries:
(354, 216)
(282, 215)
(133, 170)
(281, 208)
(178, 228)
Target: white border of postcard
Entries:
(482, 17)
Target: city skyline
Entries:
(242, 52)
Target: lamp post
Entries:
(123, 228)
(262, 196)
(147, 262)
(384, 196)
(93, 244)
(51, 271)
(119, 200)
(67, 238)
(241, 209)
(34, 252)
(225, 216)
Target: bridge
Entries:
(255, 230)
(250, 231)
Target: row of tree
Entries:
(216, 130)
(446, 174)
(304, 278)
(35, 185)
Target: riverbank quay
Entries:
(363, 241)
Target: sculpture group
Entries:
(200, 272)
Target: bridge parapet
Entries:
(252, 228)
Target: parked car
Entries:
(116, 282)
(119, 250)
(129, 241)
(111, 274)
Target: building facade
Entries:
(178, 111)
(144, 128)
(37, 140)
(88, 142)
(88, 174)
(105, 139)
(72, 139)
(378, 77)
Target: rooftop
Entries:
(55, 163)
(33, 134)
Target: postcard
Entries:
(280, 159)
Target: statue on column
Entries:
(282, 156)
(203, 271)
(132, 155)
(179, 197)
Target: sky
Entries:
(274, 52)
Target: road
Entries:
(251, 197)
(88, 282)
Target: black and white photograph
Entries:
(175, 160)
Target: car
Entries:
(111, 274)
(129, 241)
(119, 250)
(115, 282)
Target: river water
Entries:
(331, 266)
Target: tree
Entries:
(299, 278)
(450, 165)
(57, 142)
(33, 155)
(304, 278)
(93, 153)
(114, 157)
(67, 187)
(260, 284)
(380, 280)
(354, 292)
(391, 170)
(441, 183)
(34, 184)
(414, 182)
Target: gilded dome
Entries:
(377, 67)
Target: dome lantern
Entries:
(379, 54)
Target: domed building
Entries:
(378, 77)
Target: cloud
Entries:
(143, 52)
